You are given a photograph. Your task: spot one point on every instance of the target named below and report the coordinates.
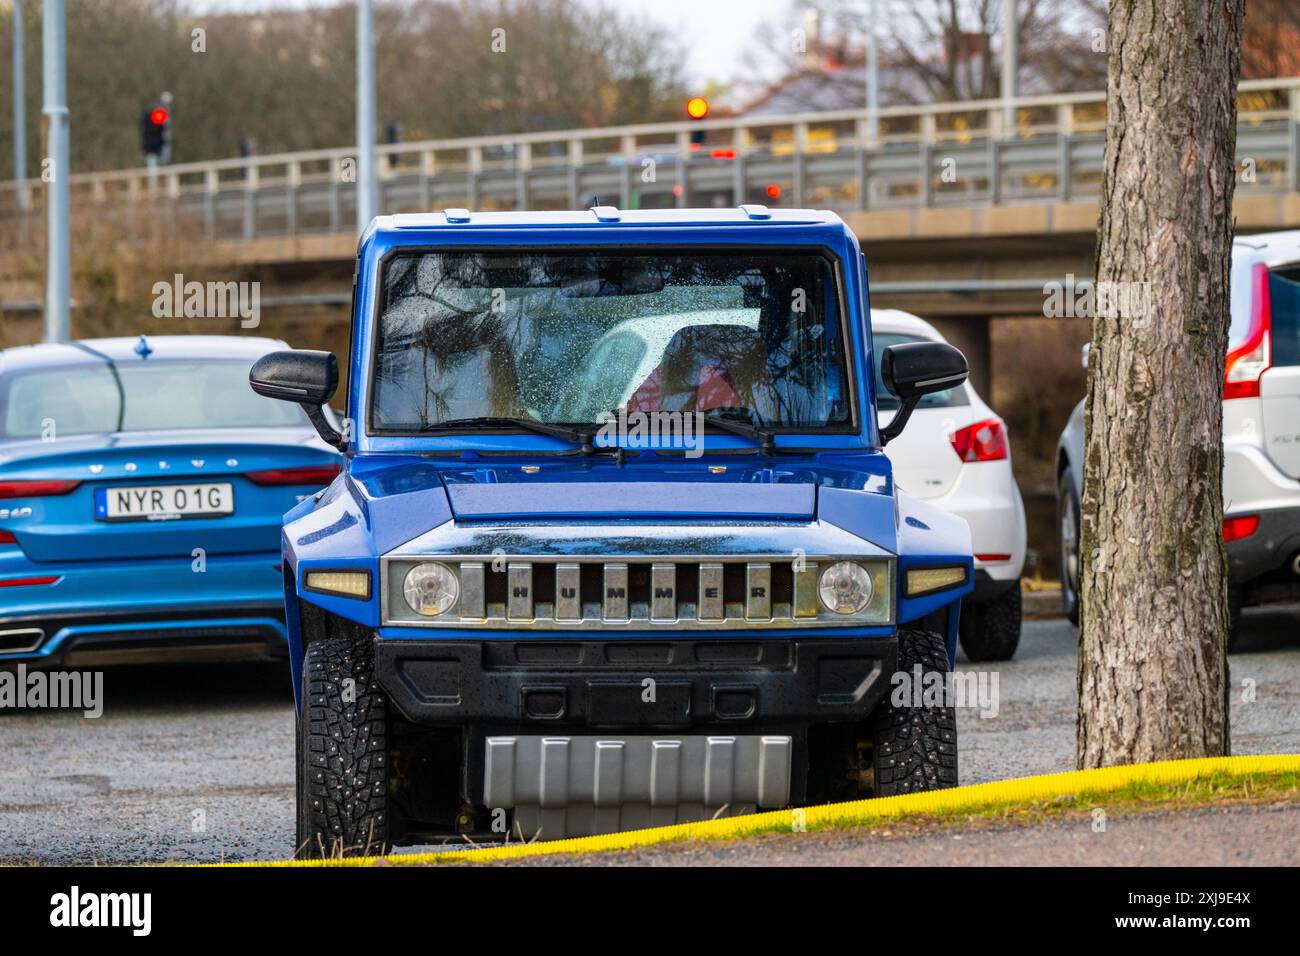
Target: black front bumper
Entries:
(738, 684)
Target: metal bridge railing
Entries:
(933, 155)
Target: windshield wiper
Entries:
(117, 381)
(745, 429)
(574, 435)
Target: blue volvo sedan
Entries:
(141, 490)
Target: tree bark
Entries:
(1153, 675)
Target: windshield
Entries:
(564, 337)
(886, 401)
(158, 395)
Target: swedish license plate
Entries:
(164, 502)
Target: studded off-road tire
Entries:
(990, 631)
(914, 748)
(342, 752)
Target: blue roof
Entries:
(609, 218)
(123, 349)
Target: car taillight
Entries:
(28, 582)
(1241, 526)
(35, 489)
(1249, 360)
(317, 475)
(983, 441)
(6, 537)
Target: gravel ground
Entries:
(1033, 731)
(196, 763)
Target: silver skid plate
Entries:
(576, 786)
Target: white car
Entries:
(955, 454)
(1261, 435)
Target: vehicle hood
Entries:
(405, 498)
(756, 493)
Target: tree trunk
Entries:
(1153, 675)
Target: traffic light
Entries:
(392, 136)
(154, 131)
(697, 107)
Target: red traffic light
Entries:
(158, 116)
(774, 191)
(697, 107)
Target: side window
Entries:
(1239, 293)
(1284, 298)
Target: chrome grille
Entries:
(472, 590)
(568, 592)
(614, 597)
(709, 602)
(519, 591)
(663, 593)
(758, 591)
(592, 593)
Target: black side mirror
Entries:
(306, 377)
(915, 369)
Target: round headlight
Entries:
(846, 587)
(430, 589)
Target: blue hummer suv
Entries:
(615, 544)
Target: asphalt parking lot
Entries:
(196, 763)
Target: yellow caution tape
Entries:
(861, 812)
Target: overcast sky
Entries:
(715, 32)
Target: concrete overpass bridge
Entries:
(964, 209)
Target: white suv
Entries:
(955, 453)
(1261, 433)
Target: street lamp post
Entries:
(1010, 64)
(20, 106)
(55, 172)
(367, 187)
(873, 73)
